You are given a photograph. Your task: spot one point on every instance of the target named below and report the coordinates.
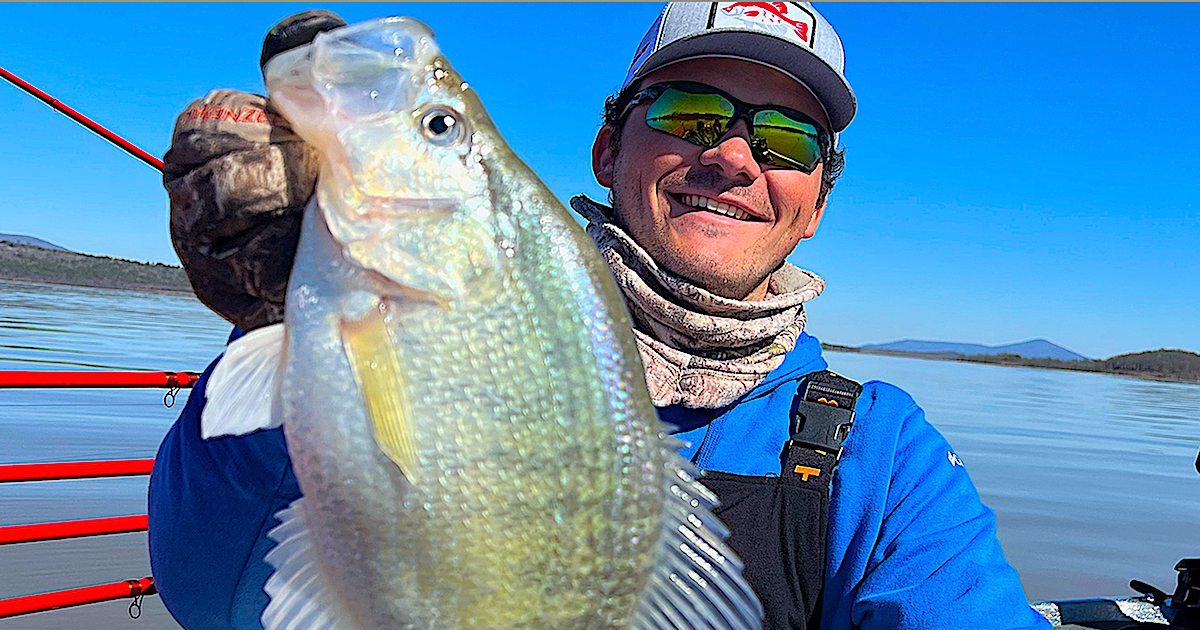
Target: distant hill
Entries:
(21, 239)
(1163, 365)
(58, 266)
(1179, 363)
(1032, 349)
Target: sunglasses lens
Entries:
(782, 141)
(698, 118)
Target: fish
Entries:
(458, 382)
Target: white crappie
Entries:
(458, 382)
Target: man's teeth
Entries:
(712, 205)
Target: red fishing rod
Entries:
(95, 127)
(53, 471)
(12, 379)
(135, 588)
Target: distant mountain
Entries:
(30, 240)
(1032, 349)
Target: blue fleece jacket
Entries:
(910, 544)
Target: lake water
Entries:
(1092, 476)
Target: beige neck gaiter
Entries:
(699, 349)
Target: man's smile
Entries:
(723, 208)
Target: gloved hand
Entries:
(238, 179)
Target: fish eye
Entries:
(442, 126)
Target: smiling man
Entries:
(714, 214)
(849, 509)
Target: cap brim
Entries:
(826, 84)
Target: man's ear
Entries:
(602, 157)
(815, 221)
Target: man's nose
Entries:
(733, 155)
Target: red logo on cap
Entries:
(773, 12)
(638, 54)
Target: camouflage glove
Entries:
(238, 179)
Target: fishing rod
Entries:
(92, 125)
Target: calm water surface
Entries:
(1092, 476)
(48, 327)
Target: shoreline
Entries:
(85, 285)
(987, 360)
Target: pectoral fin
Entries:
(381, 379)
(241, 389)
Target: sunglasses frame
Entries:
(741, 111)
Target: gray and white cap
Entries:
(788, 36)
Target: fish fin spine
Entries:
(696, 577)
(300, 596)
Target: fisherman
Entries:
(704, 212)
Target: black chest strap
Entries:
(821, 417)
(778, 525)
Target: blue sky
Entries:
(1014, 171)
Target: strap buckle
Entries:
(823, 412)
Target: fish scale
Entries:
(514, 378)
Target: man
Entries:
(720, 154)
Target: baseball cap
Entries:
(791, 37)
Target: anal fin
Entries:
(300, 597)
(697, 580)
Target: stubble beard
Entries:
(733, 281)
